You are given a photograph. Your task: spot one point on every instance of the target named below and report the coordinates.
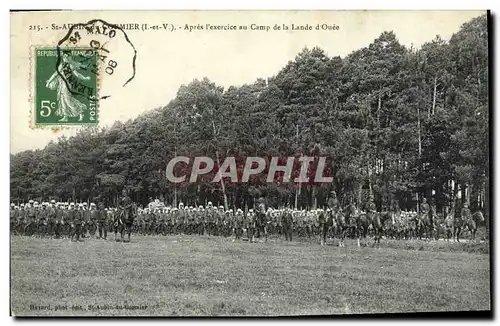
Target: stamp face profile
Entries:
(64, 93)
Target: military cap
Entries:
(209, 203)
(31, 201)
(92, 204)
(22, 205)
(250, 210)
(12, 204)
(221, 207)
(53, 201)
(71, 204)
(36, 202)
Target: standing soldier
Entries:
(181, 219)
(323, 227)
(52, 218)
(261, 219)
(22, 219)
(13, 218)
(287, 222)
(424, 214)
(92, 216)
(201, 220)
(83, 221)
(101, 216)
(220, 221)
(75, 218)
(31, 217)
(209, 218)
(250, 225)
(238, 224)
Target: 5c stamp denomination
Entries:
(64, 91)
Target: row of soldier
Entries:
(64, 219)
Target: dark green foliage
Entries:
(396, 122)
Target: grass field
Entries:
(201, 276)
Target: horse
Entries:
(331, 224)
(472, 223)
(448, 226)
(342, 226)
(425, 224)
(363, 222)
(378, 223)
(124, 222)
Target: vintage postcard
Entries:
(249, 163)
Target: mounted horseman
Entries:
(331, 217)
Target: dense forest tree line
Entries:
(397, 123)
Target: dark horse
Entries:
(343, 225)
(378, 223)
(471, 222)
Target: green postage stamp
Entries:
(64, 87)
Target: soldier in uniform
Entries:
(424, 207)
(261, 219)
(75, 218)
(424, 214)
(210, 218)
(92, 219)
(323, 227)
(102, 219)
(153, 220)
(31, 219)
(238, 224)
(201, 220)
(13, 218)
(52, 218)
(127, 214)
(287, 222)
(62, 227)
(250, 225)
(82, 214)
(219, 221)
(21, 219)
